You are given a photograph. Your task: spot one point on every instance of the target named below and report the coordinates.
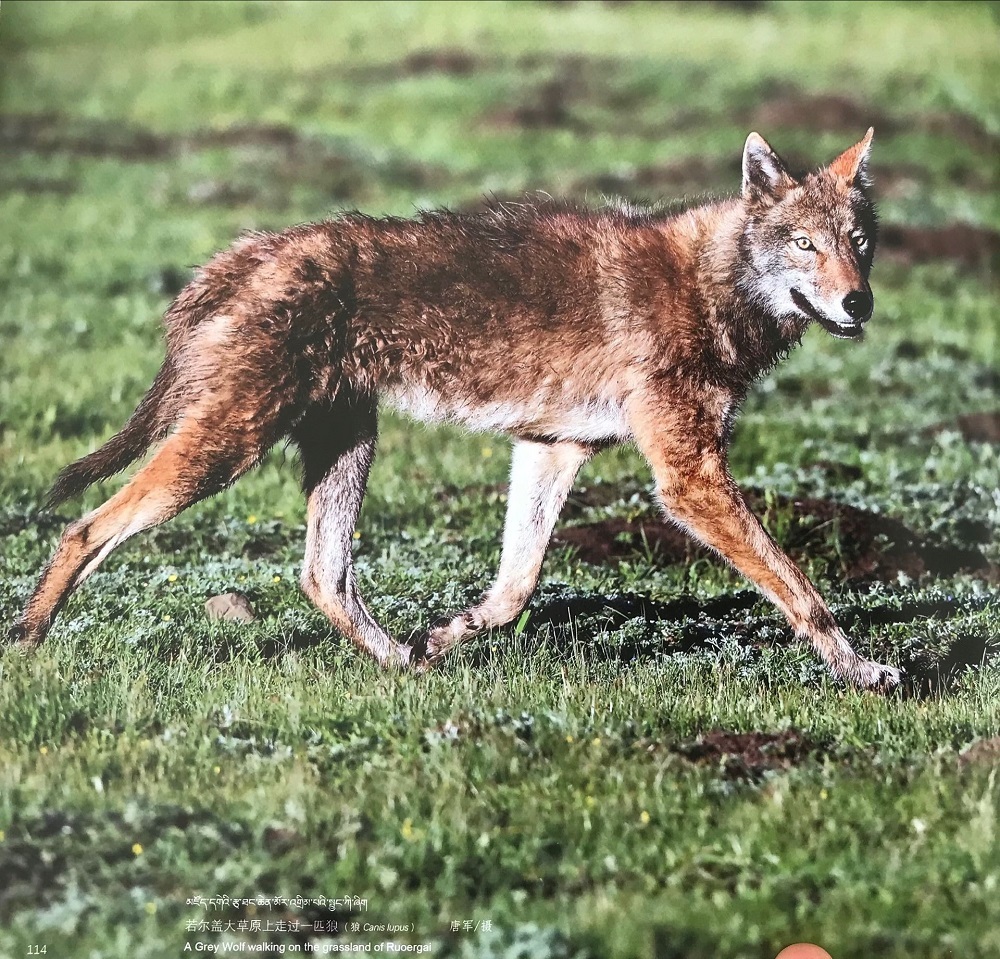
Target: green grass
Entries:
(553, 780)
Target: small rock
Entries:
(232, 606)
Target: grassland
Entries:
(646, 765)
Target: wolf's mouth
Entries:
(844, 331)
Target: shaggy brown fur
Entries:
(567, 329)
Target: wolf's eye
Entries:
(804, 243)
(860, 241)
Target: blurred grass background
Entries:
(543, 781)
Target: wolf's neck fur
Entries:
(749, 339)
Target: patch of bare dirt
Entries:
(833, 111)
(33, 186)
(825, 111)
(567, 95)
(611, 539)
(907, 180)
(968, 245)
(961, 127)
(54, 133)
(974, 427)
(451, 61)
(739, 6)
(860, 546)
(692, 175)
(548, 106)
(244, 135)
(283, 157)
(748, 755)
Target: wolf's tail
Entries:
(149, 423)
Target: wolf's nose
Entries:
(858, 305)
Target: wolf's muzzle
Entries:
(845, 331)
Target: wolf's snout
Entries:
(858, 305)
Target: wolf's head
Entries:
(808, 243)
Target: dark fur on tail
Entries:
(145, 426)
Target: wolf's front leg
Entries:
(695, 487)
(541, 476)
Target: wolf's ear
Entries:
(764, 173)
(853, 164)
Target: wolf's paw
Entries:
(421, 658)
(877, 677)
(448, 634)
(431, 648)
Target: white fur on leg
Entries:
(541, 476)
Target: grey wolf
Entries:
(567, 329)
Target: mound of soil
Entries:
(53, 133)
(741, 6)
(825, 111)
(866, 546)
(747, 755)
(451, 61)
(793, 108)
(971, 246)
(568, 94)
(287, 158)
(548, 106)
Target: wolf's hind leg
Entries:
(337, 447)
(541, 476)
(194, 462)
